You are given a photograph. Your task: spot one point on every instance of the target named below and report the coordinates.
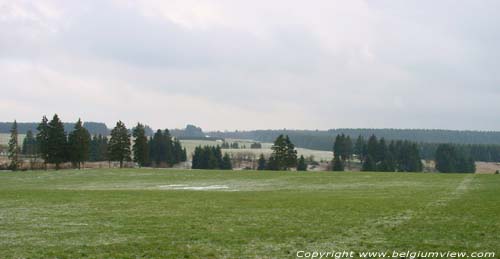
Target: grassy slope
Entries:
(126, 213)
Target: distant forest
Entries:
(322, 139)
(480, 145)
(94, 128)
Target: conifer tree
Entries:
(168, 147)
(119, 144)
(226, 162)
(14, 149)
(337, 164)
(79, 144)
(57, 143)
(42, 140)
(29, 145)
(301, 164)
(140, 147)
(261, 164)
(369, 164)
(360, 147)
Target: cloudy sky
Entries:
(231, 64)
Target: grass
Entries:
(149, 213)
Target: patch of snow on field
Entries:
(195, 188)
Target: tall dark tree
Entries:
(168, 146)
(119, 144)
(157, 149)
(79, 144)
(42, 140)
(57, 143)
(14, 149)
(372, 147)
(301, 164)
(360, 147)
(284, 155)
(141, 147)
(261, 164)
(369, 164)
(29, 145)
(450, 160)
(210, 158)
(337, 164)
(226, 162)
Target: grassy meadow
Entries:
(155, 213)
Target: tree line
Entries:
(480, 145)
(210, 157)
(376, 154)
(54, 146)
(283, 157)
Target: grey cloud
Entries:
(368, 64)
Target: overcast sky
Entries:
(230, 64)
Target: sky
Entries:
(234, 64)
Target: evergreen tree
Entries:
(226, 162)
(157, 149)
(29, 145)
(14, 149)
(42, 140)
(284, 155)
(103, 148)
(79, 144)
(119, 144)
(450, 160)
(301, 164)
(184, 155)
(273, 164)
(360, 147)
(168, 147)
(369, 164)
(337, 164)
(140, 147)
(372, 147)
(261, 163)
(57, 143)
(291, 154)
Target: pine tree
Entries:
(261, 163)
(168, 147)
(451, 160)
(291, 154)
(273, 164)
(42, 140)
(79, 144)
(103, 148)
(119, 144)
(301, 164)
(29, 145)
(337, 164)
(14, 149)
(184, 155)
(369, 164)
(372, 147)
(57, 143)
(360, 147)
(226, 162)
(140, 147)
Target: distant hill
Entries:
(190, 132)
(95, 128)
(323, 139)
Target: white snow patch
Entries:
(195, 188)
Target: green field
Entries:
(149, 213)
